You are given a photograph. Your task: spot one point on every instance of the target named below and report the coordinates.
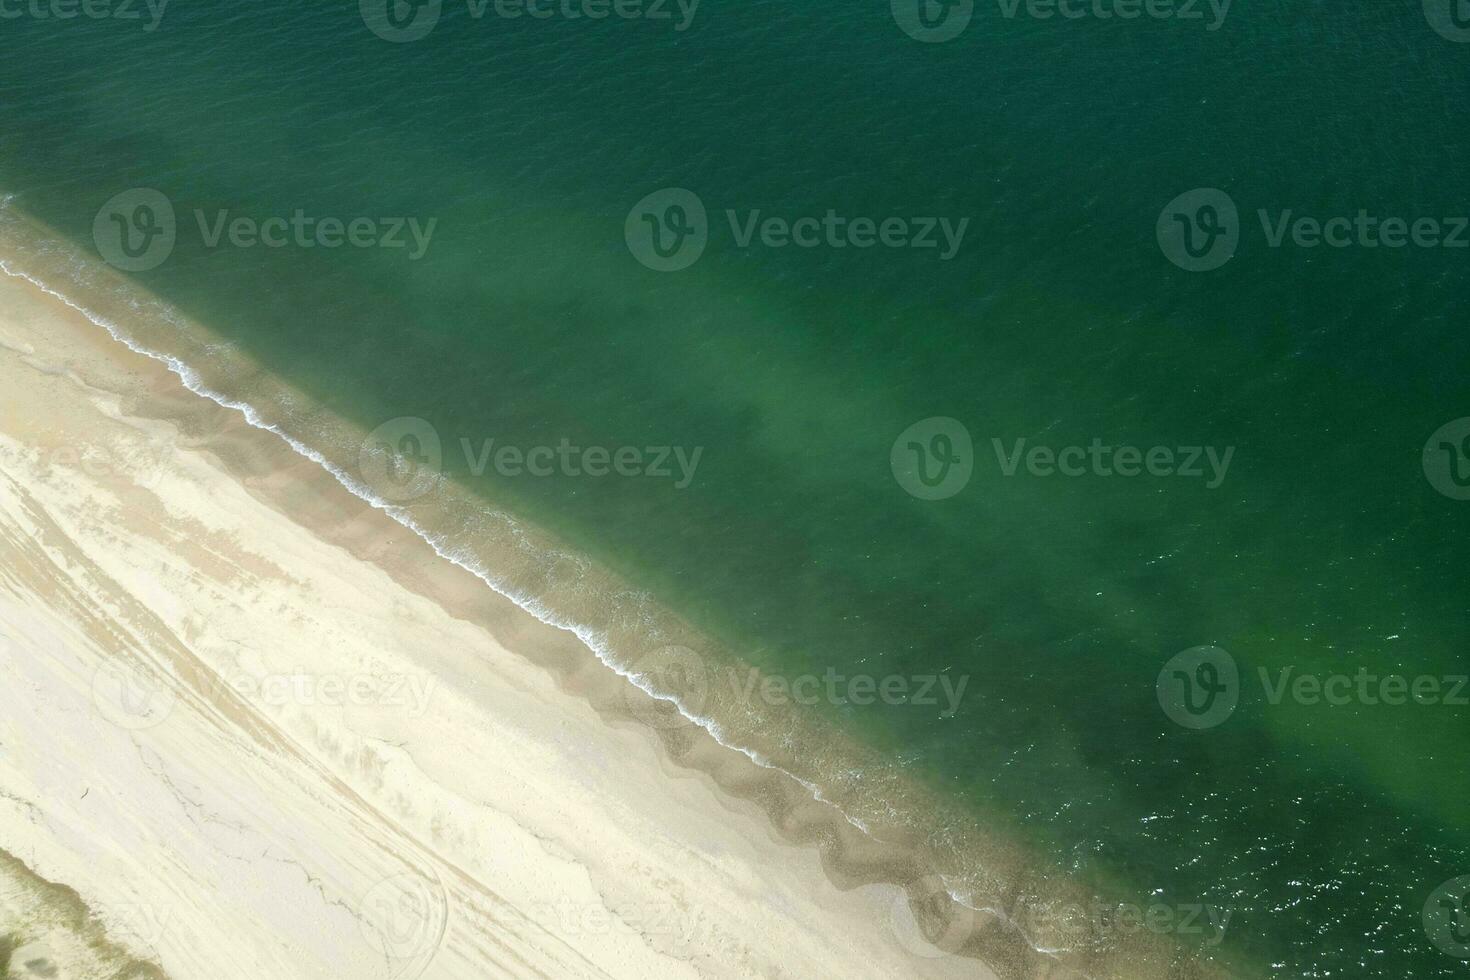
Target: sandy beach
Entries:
(236, 744)
(776, 490)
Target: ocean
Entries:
(1064, 416)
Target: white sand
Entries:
(252, 754)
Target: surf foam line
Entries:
(589, 637)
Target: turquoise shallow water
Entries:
(1324, 829)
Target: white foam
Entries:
(594, 641)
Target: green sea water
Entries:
(1323, 547)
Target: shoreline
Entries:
(588, 874)
(308, 489)
(266, 467)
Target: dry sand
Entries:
(238, 739)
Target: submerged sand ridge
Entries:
(251, 753)
(510, 787)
